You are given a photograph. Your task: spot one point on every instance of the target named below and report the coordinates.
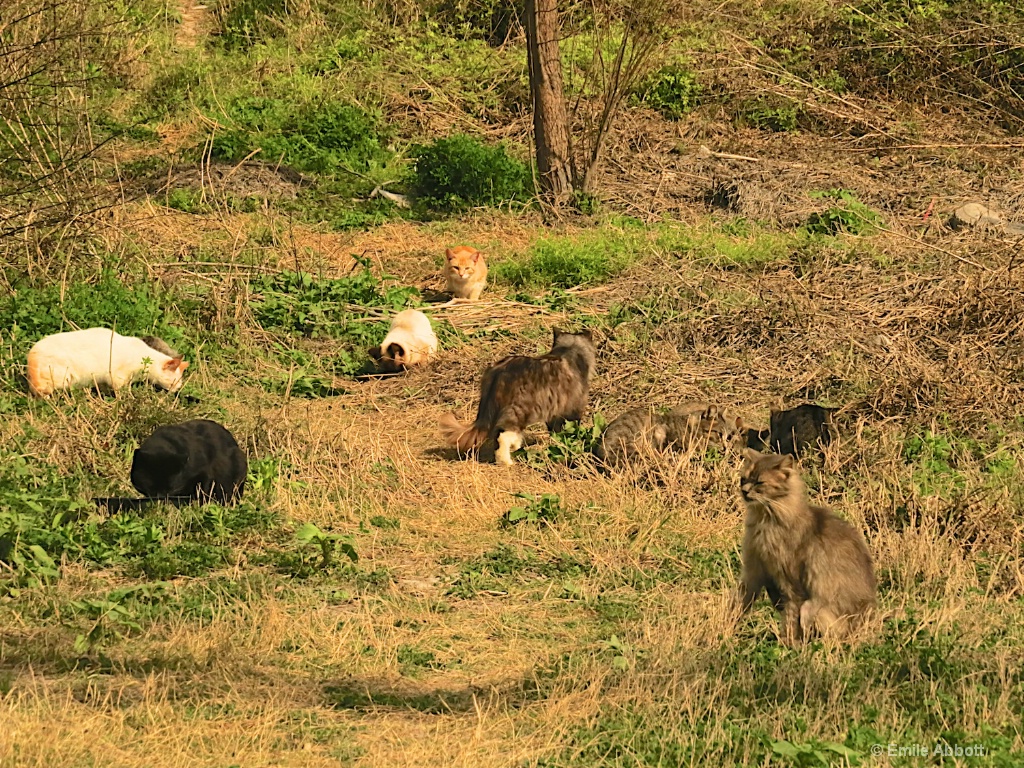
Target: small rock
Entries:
(976, 215)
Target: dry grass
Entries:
(317, 672)
(604, 638)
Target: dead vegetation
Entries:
(602, 637)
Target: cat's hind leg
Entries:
(508, 441)
(816, 616)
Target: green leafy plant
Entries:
(574, 443)
(935, 459)
(459, 172)
(770, 115)
(848, 215)
(822, 753)
(543, 509)
(309, 536)
(328, 137)
(247, 22)
(113, 616)
(298, 302)
(673, 91)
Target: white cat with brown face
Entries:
(99, 357)
(465, 271)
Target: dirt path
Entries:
(197, 21)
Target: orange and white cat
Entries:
(465, 269)
(99, 357)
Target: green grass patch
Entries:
(569, 262)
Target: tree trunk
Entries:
(550, 119)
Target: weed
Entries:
(571, 446)
(247, 22)
(33, 311)
(309, 536)
(412, 659)
(849, 216)
(188, 201)
(777, 116)
(189, 558)
(545, 509)
(459, 172)
(329, 138)
(495, 571)
(298, 302)
(815, 753)
(557, 299)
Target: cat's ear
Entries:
(557, 333)
(477, 255)
(740, 426)
(787, 463)
(751, 455)
(449, 254)
(175, 363)
(587, 334)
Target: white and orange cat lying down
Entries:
(99, 357)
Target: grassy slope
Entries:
(599, 639)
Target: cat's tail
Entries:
(465, 437)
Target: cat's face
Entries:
(172, 374)
(393, 359)
(729, 428)
(462, 262)
(766, 478)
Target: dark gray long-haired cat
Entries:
(642, 431)
(795, 430)
(197, 459)
(814, 566)
(519, 391)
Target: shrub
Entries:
(322, 138)
(673, 92)
(459, 172)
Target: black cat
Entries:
(799, 428)
(197, 459)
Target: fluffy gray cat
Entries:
(519, 391)
(814, 566)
